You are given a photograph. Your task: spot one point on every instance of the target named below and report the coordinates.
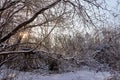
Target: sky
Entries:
(115, 7)
(115, 10)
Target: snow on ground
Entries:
(77, 75)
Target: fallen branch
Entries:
(14, 52)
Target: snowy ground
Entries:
(77, 75)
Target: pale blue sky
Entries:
(115, 7)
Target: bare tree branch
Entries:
(9, 5)
(4, 38)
